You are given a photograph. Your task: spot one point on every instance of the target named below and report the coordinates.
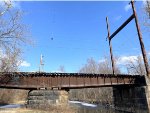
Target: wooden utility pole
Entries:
(110, 47)
(141, 40)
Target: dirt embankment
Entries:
(9, 96)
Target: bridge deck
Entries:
(34, 80)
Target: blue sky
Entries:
(79, 32)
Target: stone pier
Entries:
(130, 99)
(133, 98)
(42, 98)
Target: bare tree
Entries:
(103, 95)
(5, 6)
(102, 67)
(147, 8)
(136, 66)
(61, 69)
(11, 60)
(145, 16)
(89, 67)
(105, 66)
(12, 36)
(12, 31)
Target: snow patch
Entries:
(83, 103)
(11, 106)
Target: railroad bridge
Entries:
(128, 90)
(38, 80)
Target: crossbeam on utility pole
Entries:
(122, 26)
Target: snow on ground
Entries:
(74, 102)
(11, 106)
(83, 103)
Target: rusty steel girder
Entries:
(26, 80)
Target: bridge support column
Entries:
(42, 98)
(131, 99)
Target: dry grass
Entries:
(12, 96)
(20, 110)
(62, 109)
(56, 109)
